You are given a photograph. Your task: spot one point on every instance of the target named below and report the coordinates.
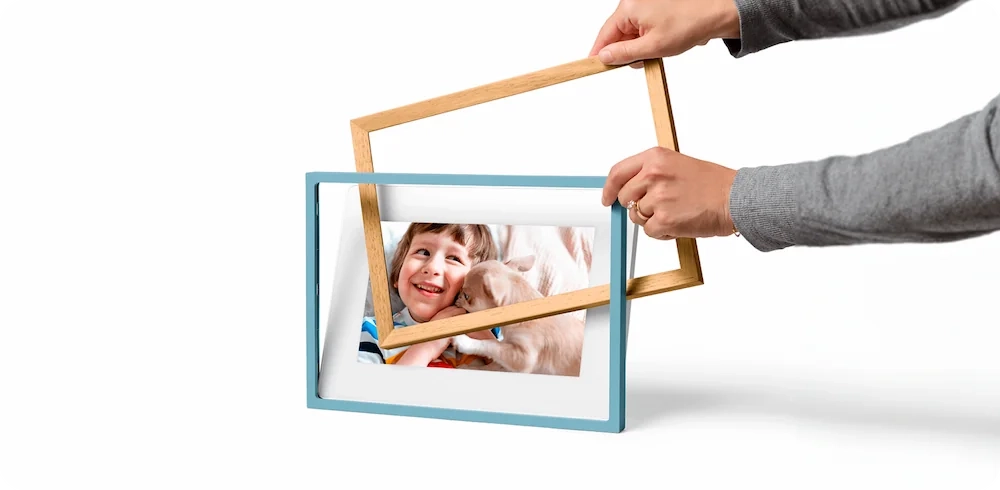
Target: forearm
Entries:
(423, 353)
(941, 185)
(765, 23)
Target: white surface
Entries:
(343, 378)
(152, 265)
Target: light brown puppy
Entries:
(550, 345)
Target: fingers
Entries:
(634, 190)
(619, 175)
(608, 34)
(641, 214)
(657, 228)
(633, 215)
(628, 51)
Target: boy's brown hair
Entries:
(477, 239)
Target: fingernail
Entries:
(605, 56)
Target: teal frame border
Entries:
(616, 410)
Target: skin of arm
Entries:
(423, 353)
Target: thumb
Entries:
(626, 52)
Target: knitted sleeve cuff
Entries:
(763, 208)
(756, 30)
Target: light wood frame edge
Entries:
(689, 274)
(552, 305)
(666, 136)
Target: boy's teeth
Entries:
(431, 289)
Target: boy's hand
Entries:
(458, 310)
(449, 312)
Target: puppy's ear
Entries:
(522, 263)
(494, 289)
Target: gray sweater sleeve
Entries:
(941, 185)
(766, 23)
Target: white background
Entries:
(151, 208)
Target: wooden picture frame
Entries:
(689, 274)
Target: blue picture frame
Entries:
(616, 413)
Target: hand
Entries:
(681, 196)
(423, 353)
(647, 29)
(458, 310)
(449, 312)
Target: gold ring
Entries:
(639, 211)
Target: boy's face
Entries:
(432, 274)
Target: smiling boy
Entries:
(428, 270)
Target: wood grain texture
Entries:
(484, 93)
(666, 136)
(688, 275)
(659, 101)
(372, 222)
(539, 308)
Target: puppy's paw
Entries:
(463, 343)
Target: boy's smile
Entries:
(432, 274)
(428, 289)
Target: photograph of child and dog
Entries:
(440, 270)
